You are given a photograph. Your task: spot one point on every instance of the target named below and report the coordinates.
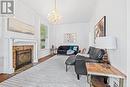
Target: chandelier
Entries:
(54, 16)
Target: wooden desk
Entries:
(99, 69)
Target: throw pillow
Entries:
(75, 48)
(70, 52)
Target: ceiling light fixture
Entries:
(54, 16)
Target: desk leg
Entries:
(89, 80)
(121, 82)
(66, 68)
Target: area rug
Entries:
(50, 73)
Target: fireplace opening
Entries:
(23, 57)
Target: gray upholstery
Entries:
(70, 61)
(80, 61)
(95, 56)
(96, 53)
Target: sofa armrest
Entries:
(84, 55)
(91, 60)
(86, 59)
(79, 57)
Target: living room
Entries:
(78, 21)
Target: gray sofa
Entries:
(63, 50)
(95, 55)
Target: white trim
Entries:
(109, 75)
(8, 64)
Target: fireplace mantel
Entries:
(8, 64)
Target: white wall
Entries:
(0, 26)
(24, 14)
(1, 47)
(128, 42)
(27, 15)
(46, 51)
(115, 12)
(81, 29)
(0, 43)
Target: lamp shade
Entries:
(105, 42)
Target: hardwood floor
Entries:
(3, 77)
(45, 58)
(7, 76)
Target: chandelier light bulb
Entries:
(54, 16)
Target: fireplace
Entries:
(16, 44)
(22, 55)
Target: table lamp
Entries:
(106, 43)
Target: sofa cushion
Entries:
(96, 53)
(100, 53)
(63, 48)
(75, 48)
(70, 52)
(68, 49)
(91, 50)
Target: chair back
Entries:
(80, 65)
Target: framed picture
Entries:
(43, 35)
(70, 37)
(100, 28)
(15, 25)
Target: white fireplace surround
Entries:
(9, 57)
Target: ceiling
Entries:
(72, 11)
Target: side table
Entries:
(53, 51)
